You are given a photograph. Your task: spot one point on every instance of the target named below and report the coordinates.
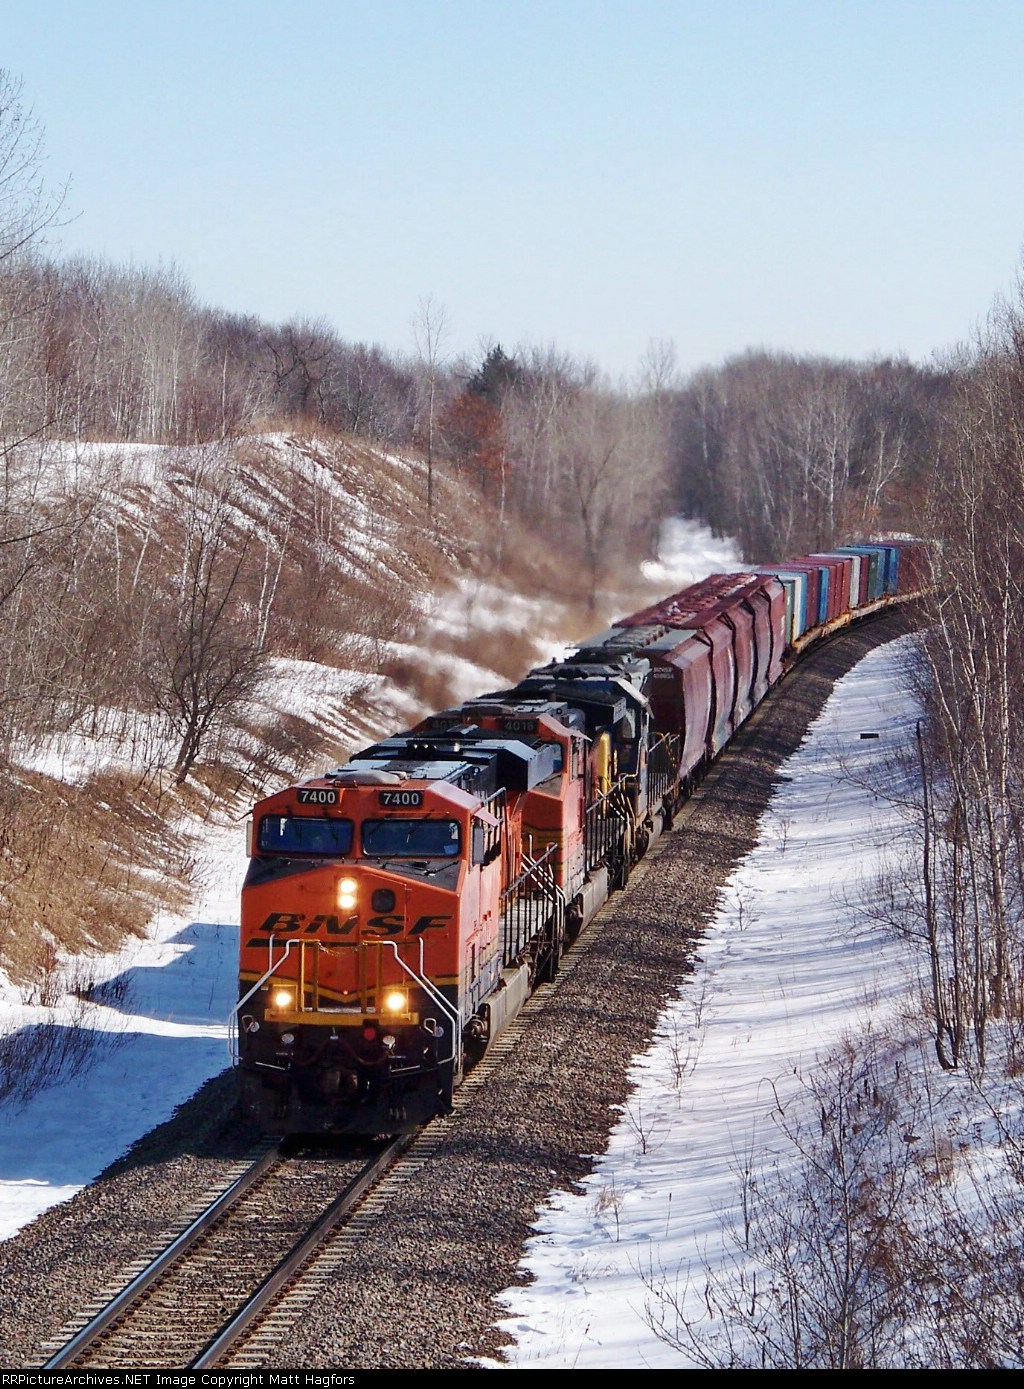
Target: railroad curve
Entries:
(418, 1290)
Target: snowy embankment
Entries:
(728, 1101)
(162, 1030)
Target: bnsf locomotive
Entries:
(399, 910)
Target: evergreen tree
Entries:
(496, 376)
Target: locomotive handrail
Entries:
(233, 1015)
(420, 979)
(619, 787)
(540, 860)
(608, 820)
(543, 869)
(532, 866)
(530, 903)
(546, 875)
(664, 754)
(427, 986)
(492, 836)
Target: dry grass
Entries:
(84, 868)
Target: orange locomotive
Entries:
(398, 911)
(394, 916)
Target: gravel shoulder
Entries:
(421, 1292)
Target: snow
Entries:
(151, 1052)
(688, 551)
(786, 974)
(788, 969)
(113, 742)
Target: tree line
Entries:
(233, 553)
(970, 675)
(782, 452)
(143, 590)
(890, 1242)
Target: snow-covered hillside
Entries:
(170, 993)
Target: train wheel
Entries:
(475, 1036)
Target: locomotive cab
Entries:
(391, 919)
(368, 893)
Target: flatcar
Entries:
(399, 910)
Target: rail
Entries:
(293, 1263)
(130, 1294)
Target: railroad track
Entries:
(217, 1284)
(252, 1338)
(171, 1313)
(250, 1332)
(143, 1323)
(199, 1301)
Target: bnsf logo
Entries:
(377, 927)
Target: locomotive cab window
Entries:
(401, 838)
(305, 834)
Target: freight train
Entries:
(399, 910)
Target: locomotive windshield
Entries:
(400, 838)
(305, 834)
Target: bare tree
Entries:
(659, 370)
(820, 1273)
(207, 651)
(431, 335)
(28, 208)
(791, 454)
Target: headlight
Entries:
(282, 998)
(394, 1002)
(347, 893)
(287, 1039)
(389, 1041)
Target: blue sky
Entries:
(832, 177)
